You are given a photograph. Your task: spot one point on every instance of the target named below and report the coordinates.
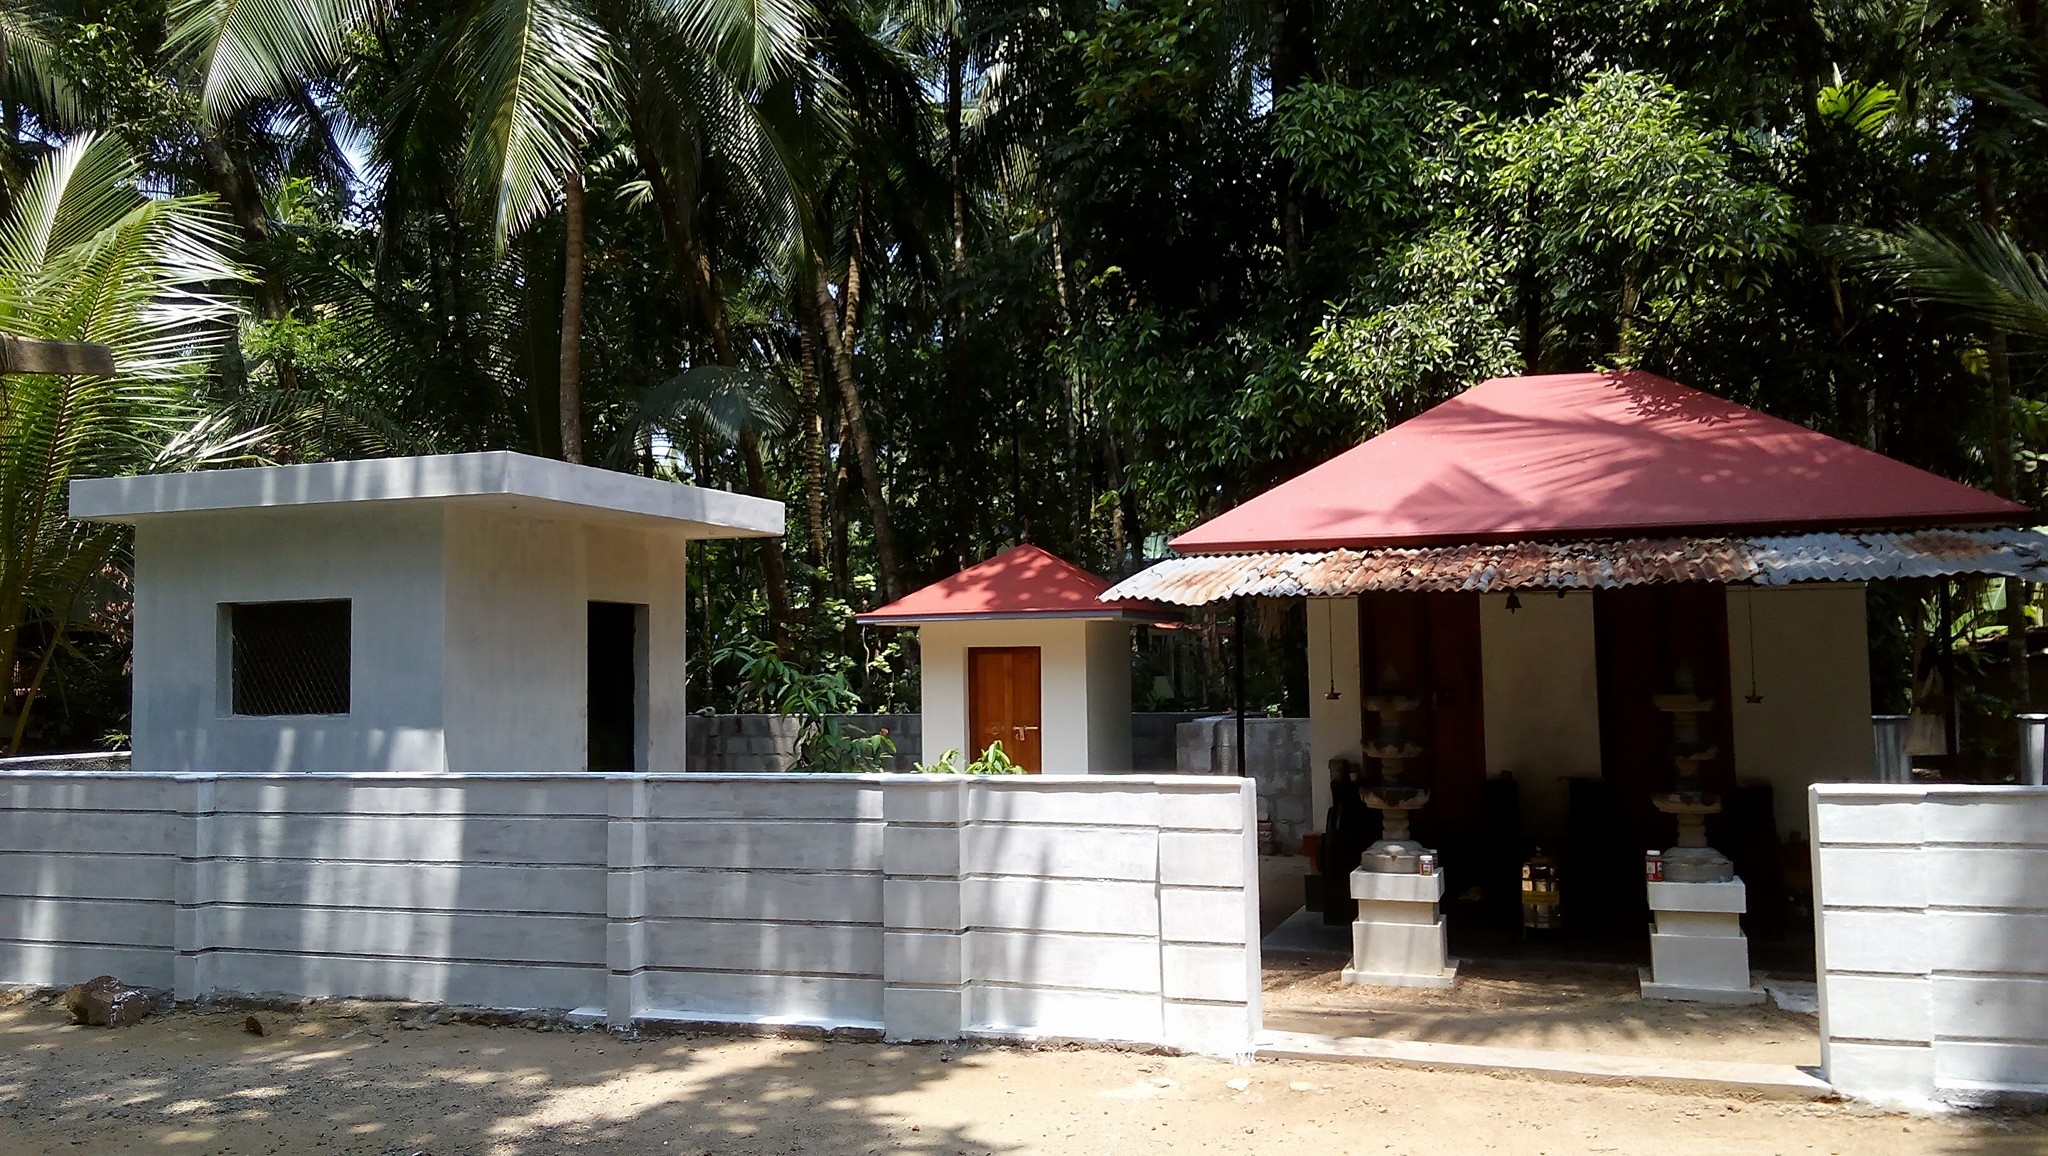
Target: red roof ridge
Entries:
(1023, 581)
(1584, 455)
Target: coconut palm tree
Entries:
(84, 256)
(539, 79)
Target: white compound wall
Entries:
(920, 907)
(1932, 936)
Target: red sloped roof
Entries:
(1589, 455)
(1019, 582)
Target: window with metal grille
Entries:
(289, 657)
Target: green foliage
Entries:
(993, 761)
(814, 696)
(1368, 150)
(1440, 324)
(84, 256)
(1081, 274)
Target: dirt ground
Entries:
(1579, 1009)
(191, 1083)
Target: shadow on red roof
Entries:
(1589, 455)
(1019, 582)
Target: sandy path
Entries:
(1579, 1009)
(197, 1084)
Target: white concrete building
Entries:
(486, 612)
(1019, 650)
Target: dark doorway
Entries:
(617, 687)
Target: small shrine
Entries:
(1019, 650)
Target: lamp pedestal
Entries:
(1698, 953)
(1398, 939)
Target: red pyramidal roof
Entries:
(1020, 582)
(1584, 455)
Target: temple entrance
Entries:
(1003, 703)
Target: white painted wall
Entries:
(1109, 696)
(1119, 908)
(1813, 673)
(1335, 727)
(1541, 695)
(517, 596)
(468, 624)
(1931, 919)
(1084, 673)
(390, 566)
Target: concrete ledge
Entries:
(1774, 1081)
(1445, 978)
(1686, 993)
(1398, 887)
(1731, 896)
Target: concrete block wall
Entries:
(924, 907)
(1931, 913)
(746, 743)
(1276, 757)
(1155, 738)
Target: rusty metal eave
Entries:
(1199, 579)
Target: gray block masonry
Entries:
(1111, 908)
(1276, 758)
(750, 743)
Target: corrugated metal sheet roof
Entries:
(1592, 565)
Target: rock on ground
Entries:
(106, 1002)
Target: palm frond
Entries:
(538, 89)
(757, 39)
(32, 73)
(726, 402)
(1984, 273)
(246, 50)
(84, 256)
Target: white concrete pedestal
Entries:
(1398, 938)
(1697, 950)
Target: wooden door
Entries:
(1002, 703)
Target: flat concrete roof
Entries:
(497, 478)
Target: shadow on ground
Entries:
(201, 1083)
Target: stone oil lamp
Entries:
(1392, 798)
(1398, 939)
(1689, 801)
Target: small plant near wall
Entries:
(992, 762)
(814, 698)
(837, 747)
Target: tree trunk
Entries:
(771, 557)
(692, 266)
(2004, 480)
(810, 415)
(840, 352)
(956, 84)
(234, 178)
(570, 388)
(1290, 48)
